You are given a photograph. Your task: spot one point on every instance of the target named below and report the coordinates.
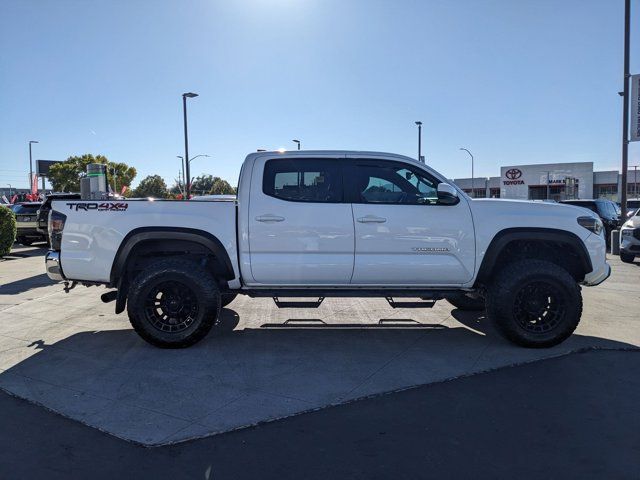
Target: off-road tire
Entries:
(627, 257)
(227, 298)
(509, 297)
(194, 287)
(463, 302)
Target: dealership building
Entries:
(552, 181)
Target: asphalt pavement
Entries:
(575, 416)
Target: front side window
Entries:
(390, 182)
(303, 180)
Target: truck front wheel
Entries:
(534, 303)
(173, 303)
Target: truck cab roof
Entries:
(335, 153)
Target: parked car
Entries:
(607, 210)
(332, 223)
(26, 223)
(42, 217)
(630, 239)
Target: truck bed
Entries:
(94, 230)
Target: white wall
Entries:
(530, 175)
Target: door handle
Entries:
(371, 219)
(269, 218)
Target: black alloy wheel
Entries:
(171, 307)
(538, 307)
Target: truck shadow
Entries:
(19, 251)
(263, 373)
(25, 284)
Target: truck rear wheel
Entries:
(173, 303)
(534, 303)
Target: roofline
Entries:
(326, 153)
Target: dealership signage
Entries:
(513, 177)
(635, 108)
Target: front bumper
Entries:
(598, 253)
(630, 243)
(53, 266)
(597, 277)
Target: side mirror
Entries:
(447, 195)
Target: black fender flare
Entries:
(142, 234)
(508, 235)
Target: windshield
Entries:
(25, 209)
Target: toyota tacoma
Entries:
(331, 223)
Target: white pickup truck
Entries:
(332, 223)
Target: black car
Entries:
(607, 210)
(26, 223)
(42, 218)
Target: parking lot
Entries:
(70, 353)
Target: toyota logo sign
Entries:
(513, 173)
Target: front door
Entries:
(300, 229)
(403, 236)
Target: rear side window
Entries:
(606, 209)
(303, 180)
(590, 205)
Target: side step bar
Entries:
(348, 292)
(298, 304)
(423, 304)
(315, 304)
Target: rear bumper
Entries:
(53, 266)
(28, 231)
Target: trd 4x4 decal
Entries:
(99, 206)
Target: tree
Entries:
(202, 185)
(65, 176)
(208, 184)
(221, 187)
(7, 230)
(151, 186)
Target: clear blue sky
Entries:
(513, 81)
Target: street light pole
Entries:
(115, 180)
(186, 138)
(193, 158)
(298, 142)
(548, 180)
(472, 181)
(31, 164)
(625, 106)
(183, 177)
(419, 124)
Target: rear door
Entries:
(300, 229)
(403, 236)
